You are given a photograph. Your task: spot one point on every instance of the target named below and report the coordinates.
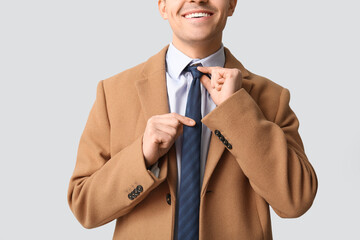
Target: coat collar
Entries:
(152, 88)
(152, 92)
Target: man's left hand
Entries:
(224, 82)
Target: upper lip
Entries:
(197, 11)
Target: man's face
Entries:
(196, 21)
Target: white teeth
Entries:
(197, 15)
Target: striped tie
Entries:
(189, 196)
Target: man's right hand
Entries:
(160, 134)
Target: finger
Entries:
(184, 120)
(215, 79)
(205, 69)
(172, 131)
(171, 119)
(164, 139)
(220, 80)
(219, 83)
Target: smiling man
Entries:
(190, 144)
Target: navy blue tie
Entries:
(189, 196)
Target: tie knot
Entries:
(194, 72)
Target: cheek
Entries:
(223, 18)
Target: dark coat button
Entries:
(139, 188)
(217, 133)
(133, 194)
(168, 198)
(221, 138)
(130, 196)
(229, 146)
(226, 142)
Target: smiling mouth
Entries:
(197, 15)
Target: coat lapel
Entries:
(153, 97)
(152, 89)
(216, 147)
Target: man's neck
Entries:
(197, 50)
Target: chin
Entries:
(201, 38)
(200, 35)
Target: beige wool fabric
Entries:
(266, 165)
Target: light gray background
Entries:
(53, 53)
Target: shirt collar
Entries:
(176, 60)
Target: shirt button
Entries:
(168, 198)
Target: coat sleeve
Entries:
(100, 185)
(270, 153)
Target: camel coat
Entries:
(265, 164)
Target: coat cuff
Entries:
(235, 110)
